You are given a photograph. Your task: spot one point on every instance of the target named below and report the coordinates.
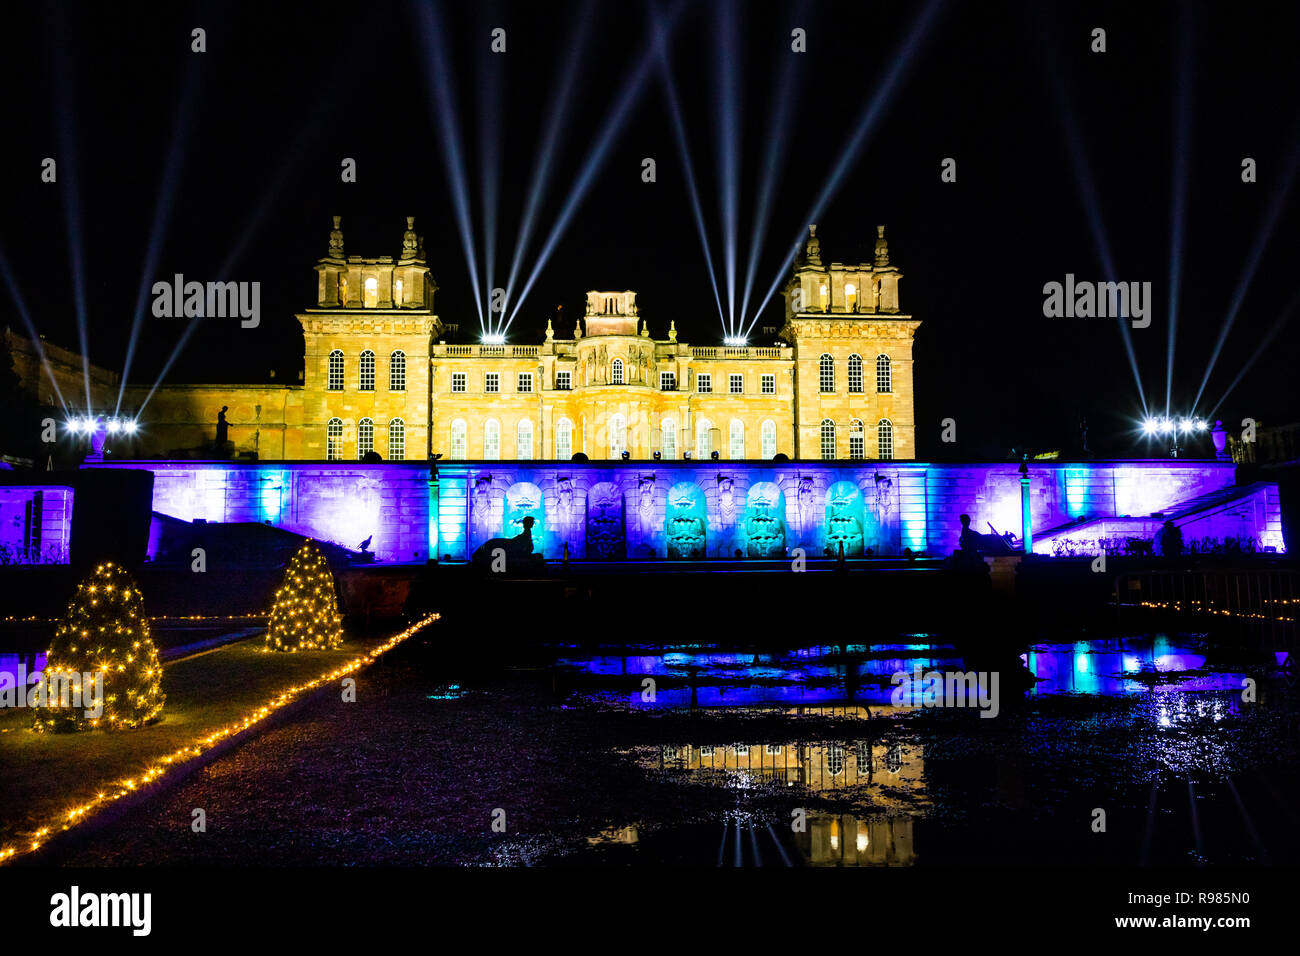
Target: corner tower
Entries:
(853, 355)
(366, 364)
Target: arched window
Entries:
(703, 439)
(366, 377)
(365, 437)
(855, 373)
(668, 438)
(335, 382)
(857, 440)
(334, 439)
(617, 434)
(491, 440)
(396, 440)
(828, 439)
(397, 371)
(616, 372)
(737, 438)
(564, 439)
(458, 432)
(885, 439)
(850, 296)
(884, 374)
(834, 759)
(372, 292)
(826, 373)
(524, 439)
(769, 439)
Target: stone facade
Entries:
(380, 375)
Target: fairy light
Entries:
(105, 633)
(126, 786)
(306, 612)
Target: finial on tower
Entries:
(410, 241)
(813, 250)
(882, 248)
(550, 332)
(672, 330)
(336, 239)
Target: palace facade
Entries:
(384, 374)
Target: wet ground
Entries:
(1134, 751)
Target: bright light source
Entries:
(1166, 426)
(1201, 425)
(494, 340)
(74, 426)
(1185, 424)
(114, 426)
(735, 341)
(1150, 426)
(130, 427)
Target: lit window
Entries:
(397, 293)
(768, 385)
(668, 438)
(703, 439)
(850, 296)
(667, 381)
(397, 371)
(834, 759)
(769, 439)
(617, 435)
(822, 297)
(365, 437)
(335, 382)
(458, 381)
(524, 439)
(828, 439)
(857, 440)
(884, 374)
(855, 373)
(372, 293)
(773, 750)
(492, 381)
(491, 440)
(736, 384)
(564, 439)
(737, 437)
(366, 376)
(706, 751)
(704, 382)
(525, 381)
(564, 381)
(334, 439)
(396, 440)
(458, 432)
(885, 439)
(826, 373)
(616, 373)
(742, 750)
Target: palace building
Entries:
(384, 373)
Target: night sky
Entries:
(257, 126)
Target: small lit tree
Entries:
(306, 613)
(102, 649)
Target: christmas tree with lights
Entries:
(306, 614)
(102, 668)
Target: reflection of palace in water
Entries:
(887, 774)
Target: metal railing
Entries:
(1265, 600)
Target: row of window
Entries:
(366, 371)
(858, 439)
(365, 439)
(616, 439)
(826, 373)
(564, 381)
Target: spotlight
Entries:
(735, 341)
(713, 455)
(129, 426)
(494, 340)
(686, 456)
(1150, 426)
(114, 426)
(1201, 425)
(658, 455)
(626, 455)
(1166, 426)
(74, 426)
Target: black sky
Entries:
(286, 90)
